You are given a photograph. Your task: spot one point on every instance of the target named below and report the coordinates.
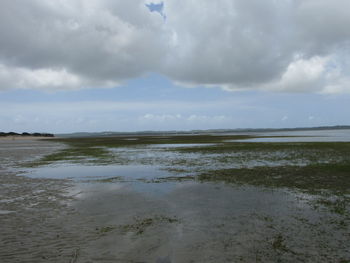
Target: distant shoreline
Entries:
(19, 137)
(26, 134)
(200, 132)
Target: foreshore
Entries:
(110, 200)
(31, 210)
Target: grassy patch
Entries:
(329, 183)
(317, 177)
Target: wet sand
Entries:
(35, 209)
(61, 220)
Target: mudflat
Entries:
(173, 199)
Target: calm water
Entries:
(303, 136)
(98, 172)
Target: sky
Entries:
(112, 65)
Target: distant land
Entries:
(216, 131)
(26, 134)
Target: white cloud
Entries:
(284, 118)
(303, 74)
(339, 87)
(88, 43)
(317, 74)
(287, 45)
(269, 45)
(16, 77)
(183, 121)
(160, 118)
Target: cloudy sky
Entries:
(114, 65)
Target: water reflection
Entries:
(97, 172)
(139, 178)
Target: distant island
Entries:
(26, 134)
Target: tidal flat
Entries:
(176, 198)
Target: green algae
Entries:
(140, 225)
(316, 177)
(321, 169)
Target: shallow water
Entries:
(138, 178)
(303, 136)
(215, 223)
(96, 172)
(136, 213)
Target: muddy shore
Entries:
(31, 210)
(64, 220)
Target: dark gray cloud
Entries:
(230, 41)
(323, 25)
(277, 45)
(286, 45)
(99, 42)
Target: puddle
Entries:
(138, 178)
(97, 172)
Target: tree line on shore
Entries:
(35, 134)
